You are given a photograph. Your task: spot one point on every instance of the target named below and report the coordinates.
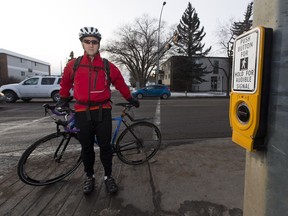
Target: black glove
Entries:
(134, 102)
(62, 103)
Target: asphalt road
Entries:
(180, 119)
(195, 118)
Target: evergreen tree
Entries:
(191, 34)
(239, 28)
(191, 46)
(189, 71)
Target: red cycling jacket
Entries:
(90, 83)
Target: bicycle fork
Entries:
(139, 143)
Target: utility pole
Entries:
(266, 175)
(158, 45)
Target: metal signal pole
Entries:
(158, 45)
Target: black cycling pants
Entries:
(102, 129)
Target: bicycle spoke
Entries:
(50, 159)
(138, 143)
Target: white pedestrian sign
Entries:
(244, 71)
(244, 64)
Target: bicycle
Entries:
(57, 155)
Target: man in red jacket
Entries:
(93, 109)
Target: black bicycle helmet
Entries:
(89, 31)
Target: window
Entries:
(48, 81)
(216, 67)
(214, 83)
(32, 81)
(59, 80)
(150, 87)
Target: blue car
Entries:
(161, 91)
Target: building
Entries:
(20, 67)
(215, 80)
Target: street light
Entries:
(158, 44)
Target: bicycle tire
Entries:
(133, 152)
(41, 165)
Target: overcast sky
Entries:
(48, 30)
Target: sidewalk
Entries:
(198, 94)
(191, 177)
(202, 177)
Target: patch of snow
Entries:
(198, 94)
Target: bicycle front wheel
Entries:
(50, 159)
(138, 143)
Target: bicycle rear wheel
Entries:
(50, 159)
(138, 143)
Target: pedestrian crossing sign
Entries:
(250, 87)
(246, 58)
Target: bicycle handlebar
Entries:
(65, 111)
(59, 112)
(125, 105)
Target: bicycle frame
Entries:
(69, 123)
(119, 122)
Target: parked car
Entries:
(2, 98)
(33, 87)
(161, 91)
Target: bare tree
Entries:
(226, 40)
(226, 37)
(136, 48)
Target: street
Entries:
(179, 119)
